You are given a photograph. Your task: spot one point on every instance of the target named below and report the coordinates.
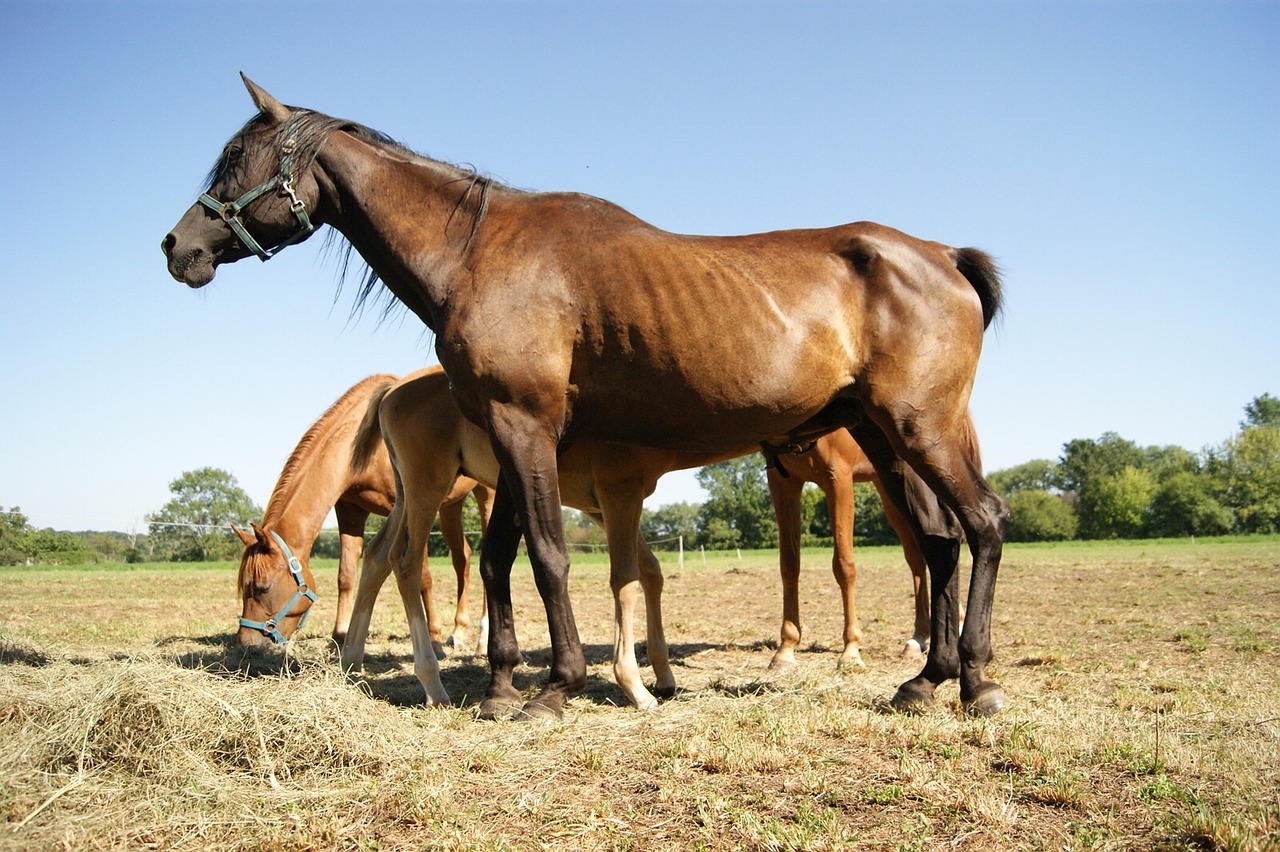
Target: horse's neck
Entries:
(408, 218)
(313, 480)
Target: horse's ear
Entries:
(244, 536)
(261, 534)
(262, 98)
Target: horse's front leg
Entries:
(841, 509)
(785, 494)
(526, 452)
(497, 554)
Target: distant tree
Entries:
(14, 529)
(195, 524)
(1186, 504)
(815, 520)
(1040, 516)
(870, 526)
(1249, 468)
(1083, 459)
(50, 546)
(738, 500)
(1164, 462)
(665, 526)
(1114, 505)
(719, 534)
(1262, 411)
(582, 531)
(1035, 475)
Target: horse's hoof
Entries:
(913, 650)
(535, 712)
(664, 693)
(782, 664)
(498, 709)
(438, 648)
(989, 701)
(911, 700)
(851, 664)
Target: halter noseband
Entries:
(269, 627)
(230, 210)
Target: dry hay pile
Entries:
(144, 745)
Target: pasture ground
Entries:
(1142, 677)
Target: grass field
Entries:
(1142, 677)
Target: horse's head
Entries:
(275, 586)
(258, 198)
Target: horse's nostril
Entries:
(167, 244)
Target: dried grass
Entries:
(1117, 736)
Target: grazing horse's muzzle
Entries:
(271, 627)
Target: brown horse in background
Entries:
(834, 464)
(561, 318)
(321, 474)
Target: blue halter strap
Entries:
(270, 626)
(230, 210)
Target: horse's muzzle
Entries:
(192, 266)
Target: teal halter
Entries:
(269, 627)
(230, 210)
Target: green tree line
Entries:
(1098, 488)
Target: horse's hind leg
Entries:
(351, 523)
(919, 641)
(484, 502)
(460, 556)
(656, 638)
(374, 570)
(620, 504)
(945, 465)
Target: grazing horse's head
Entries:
(261, 195)
(276, 588)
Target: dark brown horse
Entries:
(562, 318)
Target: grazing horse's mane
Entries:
(357, 395)
(310, 130)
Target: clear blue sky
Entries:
(1119, 158)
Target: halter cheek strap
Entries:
(269, 627)
(230, 210)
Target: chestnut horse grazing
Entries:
(561, 318)
(320, 474)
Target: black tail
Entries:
(981, 270)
